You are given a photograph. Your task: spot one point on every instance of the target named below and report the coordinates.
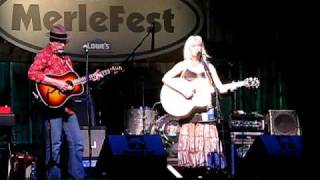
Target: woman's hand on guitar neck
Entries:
(232, 87)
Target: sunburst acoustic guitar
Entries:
(53, 97)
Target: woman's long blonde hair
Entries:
(190, 41)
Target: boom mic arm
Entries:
(152, 30)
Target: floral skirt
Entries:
(197, 143)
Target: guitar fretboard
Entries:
(83, 79)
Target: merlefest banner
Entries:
(115, 27)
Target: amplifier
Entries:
(7, 119)
(238, 125)
(244, 137)
(98, 134)
(244, 122)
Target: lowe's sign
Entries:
(120, 25)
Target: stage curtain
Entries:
(16, 91)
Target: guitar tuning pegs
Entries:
(252, 82)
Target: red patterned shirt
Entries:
(47, 62)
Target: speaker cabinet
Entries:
(133, 156)
(273, 156)
(98, 135)
(80, 107)
(283, 122)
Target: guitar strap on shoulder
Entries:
(70, 67)
(184, 71)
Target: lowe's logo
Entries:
(122, 22)
(97, 44)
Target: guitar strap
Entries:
(62, 58)
(70, 67)
(184, 71)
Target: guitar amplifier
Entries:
(246, 122)
(98, 134)
(244, 137)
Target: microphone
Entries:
(151, 28)
(85, 47)
(200, 54)
(202, 57)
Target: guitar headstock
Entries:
(252, 82)
(116, 69)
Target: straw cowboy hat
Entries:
(58, 33)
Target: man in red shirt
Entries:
(51, 60)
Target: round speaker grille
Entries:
(285, 124)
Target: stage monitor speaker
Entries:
(80, 107)
(273, 156)
(283, 122)
(98, 135)
(133, 156)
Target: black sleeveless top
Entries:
(190, 75)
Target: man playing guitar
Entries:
(51, 61)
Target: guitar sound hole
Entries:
(69, 82)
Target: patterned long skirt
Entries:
(197, 141)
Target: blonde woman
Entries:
(193, 80)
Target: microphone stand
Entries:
(152, 35)
(88, 102)
(143, 108)
(132, 54)
(218, 110)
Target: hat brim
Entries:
(59, 38)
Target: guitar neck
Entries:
(237, 84)
(248, 82)
(84, 79)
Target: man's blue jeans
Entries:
(71, 129)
